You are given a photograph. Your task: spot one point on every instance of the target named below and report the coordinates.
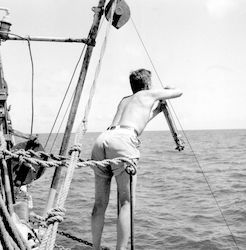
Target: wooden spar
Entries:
(47, 39)
(65, 142)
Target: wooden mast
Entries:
(65, 142)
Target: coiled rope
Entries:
(10, 236)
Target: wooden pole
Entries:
(65, 142)
(47, 39)
(177, 138)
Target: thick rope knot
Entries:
(21, 152)
(55, 215)
(58, 157)
(35, 217)
(77, 147)
(37, 220)
(21, 160)
(131, 168)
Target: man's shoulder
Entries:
(126, 97)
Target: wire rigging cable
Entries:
(69, 104)
(211, 191)
(155, 70)
(63, 100)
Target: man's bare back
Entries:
(137, 110)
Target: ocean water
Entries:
(189, 200)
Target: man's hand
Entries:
(169, 87)
(160, 106)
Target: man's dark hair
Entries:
(140, 79)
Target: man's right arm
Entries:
(168, 92)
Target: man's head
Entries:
(140, 80)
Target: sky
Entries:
(198, 46)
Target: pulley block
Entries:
(121, 14)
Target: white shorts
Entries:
(112, 144)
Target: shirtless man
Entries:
(121, 140)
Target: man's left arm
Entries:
(157, 110)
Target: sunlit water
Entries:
(194, 199)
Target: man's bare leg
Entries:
(123, 227)
(102, 192)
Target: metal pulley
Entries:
(121, 15)
(5, 25)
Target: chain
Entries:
(85, 242)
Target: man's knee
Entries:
(99, 208)
(125, 203)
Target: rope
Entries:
(32, 96)
(4, 237)
(50, 235)
(29, 153)
(32, 82)
(11, 237)
(59, 161)
(7, 225)
(36, 161)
